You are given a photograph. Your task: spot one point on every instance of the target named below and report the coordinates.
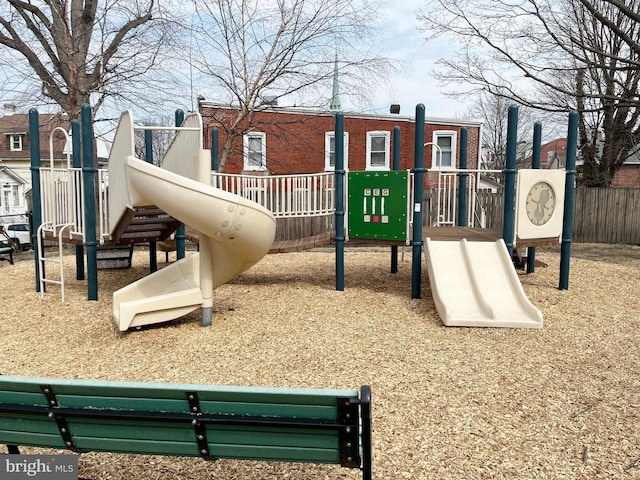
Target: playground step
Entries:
(114, 257)
(144, 225)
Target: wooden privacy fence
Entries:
(601, 215)
(607, 215)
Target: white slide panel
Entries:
(474, 284)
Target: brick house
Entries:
(296, 141)
(628, 176)
(553, 154)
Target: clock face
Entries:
(540, 203)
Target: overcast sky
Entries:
(414, 83)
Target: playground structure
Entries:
(235, 233)
(140, 202)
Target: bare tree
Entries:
(71, 52)
(160, 139)
(571, 54)
(494, 110)
(258, 52)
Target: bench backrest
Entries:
(277, 424)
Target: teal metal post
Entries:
(153, 246)
(396, 166)
(34, 139)
(77, 163)
(89, 172)
(418, 193)
(569, 198)
(510, 172)
(214, 154)
(181, 235)
(535, 164)
(462, 179)
(339, 174)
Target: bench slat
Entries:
(180, 449)
(174, 405)
(295, 396)
(159, 431)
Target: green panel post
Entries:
(214, 149)
(339, 174)
(535, 164)
(153, 246)
(418, 193)
(510, 179)
(34, 139)
(181, 235)
(378, 205)
(89, 172)
(215, 165)
(77, 163)
(396, 166)
(569, 198)
(462, 179)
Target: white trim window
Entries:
(17, 197)
(444, 155)
(15, 142)
(255, 151)
(330, 151)
(378, 150)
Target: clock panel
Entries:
(539, 204)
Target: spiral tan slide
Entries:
(235, 233)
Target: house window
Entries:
(15, 141)
(255, 151)
(378, 150)
(17, 198)
(5, 199)
(330, 151)
(443, 149)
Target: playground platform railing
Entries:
(188, 139)
(62, 194)
(62, 200)
(302, 195)
(447, 198)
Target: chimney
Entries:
(395, 108)
(9, 109)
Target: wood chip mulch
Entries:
(448, 403)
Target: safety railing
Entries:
(61, 190)
(284, 195)
(187, 142)
(446, 213)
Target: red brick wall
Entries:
(627, 177)
(296, 142)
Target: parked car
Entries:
(16, 234)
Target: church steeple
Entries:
(335, 96)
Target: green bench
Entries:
(244, 423)
(4, 251)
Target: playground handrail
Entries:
(446, 200)
(297, 195)
(189, 139)
(62, 192)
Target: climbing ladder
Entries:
(43, 259)
(62, 212)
